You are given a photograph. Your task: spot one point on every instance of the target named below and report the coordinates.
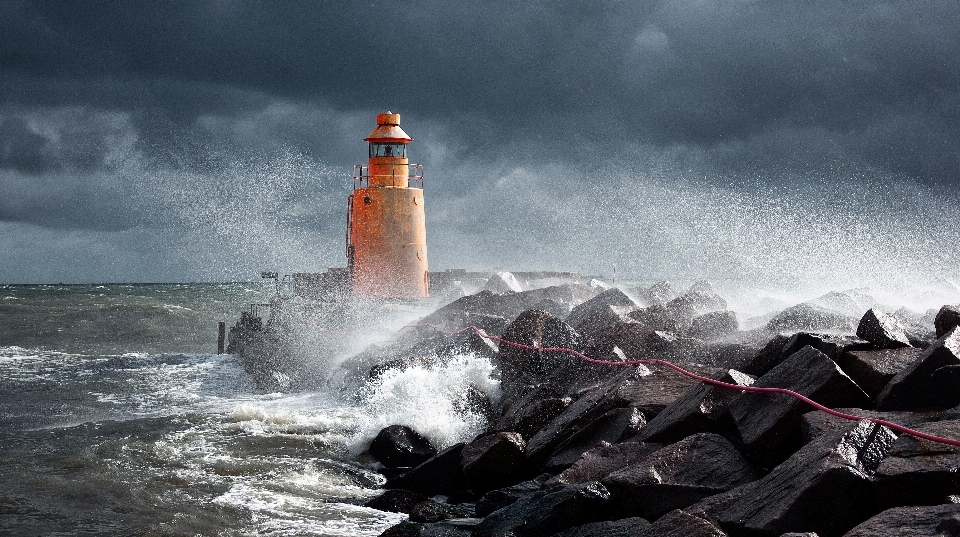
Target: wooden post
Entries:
(221, 337)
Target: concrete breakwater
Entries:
(577, 448)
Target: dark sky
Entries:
(772, 140)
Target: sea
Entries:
(118, 417)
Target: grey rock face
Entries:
(946, 320)
(823, 488)
(625, 527)
(613, 426)
(915, 387)
(547, 512)
(920, 472)
(679, 523)
(704, 408)
(610, 297)
(769, 423)
(679, 475)
(601, 461)
(401, 446)
(811, 317)
(440, 474)
(714, 325)
(932, 521)
(494, 461)
(883, 330)
(873, 369)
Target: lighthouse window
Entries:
(388, 150)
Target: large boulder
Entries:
(594, 324)
(918, 471)
(612, 427)
(658, 293)
(440, 474)
(522, 365)
(547, 512)
(811, 317)
(400, 446)
(769, 423)
(500, 498)
(873, 369)
(679, 475)
(537, 406)
(694, 303)
(494, 461)
(823, 488)
(933, 521)
(714, 325)
(782, 346)
(601, 461)
(946, 320)
(649, 391)
(503, 282)
(916, 386)
(705, 408)
(610, 297)
(883, 330)
(679, 523)
(625, 527)
(395, 500)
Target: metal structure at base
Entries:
(386, 221)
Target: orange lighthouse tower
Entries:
(386, 223)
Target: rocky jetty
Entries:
(580, 449)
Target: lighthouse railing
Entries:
(361, 176)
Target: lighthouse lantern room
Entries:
(386, 223)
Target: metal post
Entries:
(221, 337)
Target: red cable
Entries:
(701, 378)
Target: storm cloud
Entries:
(567, 135)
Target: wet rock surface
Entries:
(642, 450)
(401, 446)
(679, 475)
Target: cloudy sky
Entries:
(773, 141)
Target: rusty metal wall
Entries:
(388, 235)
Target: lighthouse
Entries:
(386, 222)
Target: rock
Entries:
(914, 387)
(400, 446)
(594, 324)
(704, 408)
(918, 326)
(769, 423)
(714, 325)
(503, 282)
(633, 339)
(920, 472)
(470, 309)
(612, 427)
(655, 317)
(440, 474)
(649, 391)
(946, 320)
(547, 512)
(679, 523)
(500, 498)
(494, 461)
(431, 511)
(537, 407)
(601, 461)
(850, 302)
(658, 293)
(521, 366)
(610, 297)
(815, 424)
(679, 475)
(768, 357)
(403, 529)
(873, 369)
(692, 304)
(882, 329)
(811, 317)
(455, 527)
(933, 521)
(625, 527)
(823, 488)
(395, 500)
